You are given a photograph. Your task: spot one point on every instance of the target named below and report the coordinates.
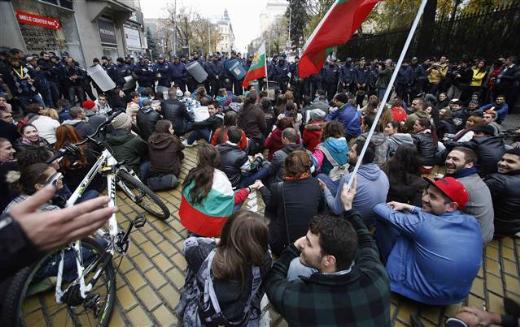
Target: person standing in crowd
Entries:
(505, 191)
(330, 75)
(208, 199)
(74, 77)
(178, 74)
(461, 163)
(161, 69)
(421, 265)
(507, 81)
(224, 276)
(337, 290)
(145, 75)
(384, 72)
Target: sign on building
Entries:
(107, 32)
(133, 40)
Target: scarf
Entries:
(466, 172)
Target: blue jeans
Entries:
(331, 185)
(144, 171)
(197, 134)
(249, 178)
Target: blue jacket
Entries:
(436, 258)
(372, 188)
(502, 111)
(178, 71)
(349, 117)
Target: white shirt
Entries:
(46, 127)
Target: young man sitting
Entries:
(432, 253)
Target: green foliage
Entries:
(152, 45)
(298, 18)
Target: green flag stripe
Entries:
(259, 63)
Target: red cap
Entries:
(88, 104)
(452, 188)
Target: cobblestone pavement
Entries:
(150, 278)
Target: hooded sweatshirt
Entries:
(372, 188)
(381, 143)
(127, 147)
(335, 151)
(165, 152)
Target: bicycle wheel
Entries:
(142, 195)
(30, 297)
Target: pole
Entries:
(175, 28)
(388, 89)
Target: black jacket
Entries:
(505, 191)
(8, 131)
(231, 159)
(489, 150)
(424, 143)
(175, 111)
(303, 200)
(165, 152)
(146, 120)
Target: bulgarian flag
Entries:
(258, 67)
(336, 28)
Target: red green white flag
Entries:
(258, 67)
(336, 28)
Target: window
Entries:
(67, 4)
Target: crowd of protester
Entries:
(323, 253)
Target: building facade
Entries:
(273, 10)
(85, 29)
(227, 39)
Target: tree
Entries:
(298, 18)
(474, 6)
(152, 46)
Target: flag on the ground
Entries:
(258, 67)
(336, 28)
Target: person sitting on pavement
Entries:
(146, 119)
(489, 148)
(220, 136)
(421, 263)
(396, 138)
(208, 199)
(204, 129)
(379, 139)
(332, 152)
(291, 203)
(404, 176)
(346, 284)
(175, 111)
(93, 116)
(251, 119)
(461, 163)
(500, 106)
(347, 115)
(505, 191)
(30, 138)
(233, 160)
(79, 122)
(45, 125)
(313, 131)
(490, 118)
(165, 150)
(372, 184)
(290, 143)
(425, 140)
(224, 276)
(274, 141)
(128, 147)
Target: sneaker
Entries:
(185, 143)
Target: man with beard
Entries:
(461, 163)
(432, 253)
(339, 291)
(505, 189)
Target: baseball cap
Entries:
(452, 188)
(88, 104)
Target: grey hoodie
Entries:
(372, 188)
(396, 140)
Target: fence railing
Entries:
(487, 34)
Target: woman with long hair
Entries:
(404, 175)
(223, 278)
(273, 142)
(208, 198)
(220, 136)
(30, 138)
(334, 150)
(291, 204)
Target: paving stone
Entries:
(478, 287)
(165, 317)
(508, 253)
(138, 317)
(492, 266)
(176, 277)
(492, 252)
(512, 284)
(163, 263)
(494, 284)
(179, 261)
(126, 298)
(508, 242)
(142, 262)
(117, 319)
(510, 267)
(150, 299)
(167, 249)
(156, 278)
(495, 303)
(150, 249)
(170, 295)
(135, 279)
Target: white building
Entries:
(273, 10)
(227, 40)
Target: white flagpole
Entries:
(388, 89)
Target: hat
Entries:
(452, 188)
(88, 104)
(485, 129)
(179, 93)
(456, 101)
(147, 102)
(317, 114)
(122, 121)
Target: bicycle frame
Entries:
(107, 164)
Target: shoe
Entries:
(185, 143)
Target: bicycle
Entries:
(82, 273)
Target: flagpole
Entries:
(388, 89)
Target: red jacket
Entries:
(398, 114)
(312, 137)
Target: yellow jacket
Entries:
(478, 77)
